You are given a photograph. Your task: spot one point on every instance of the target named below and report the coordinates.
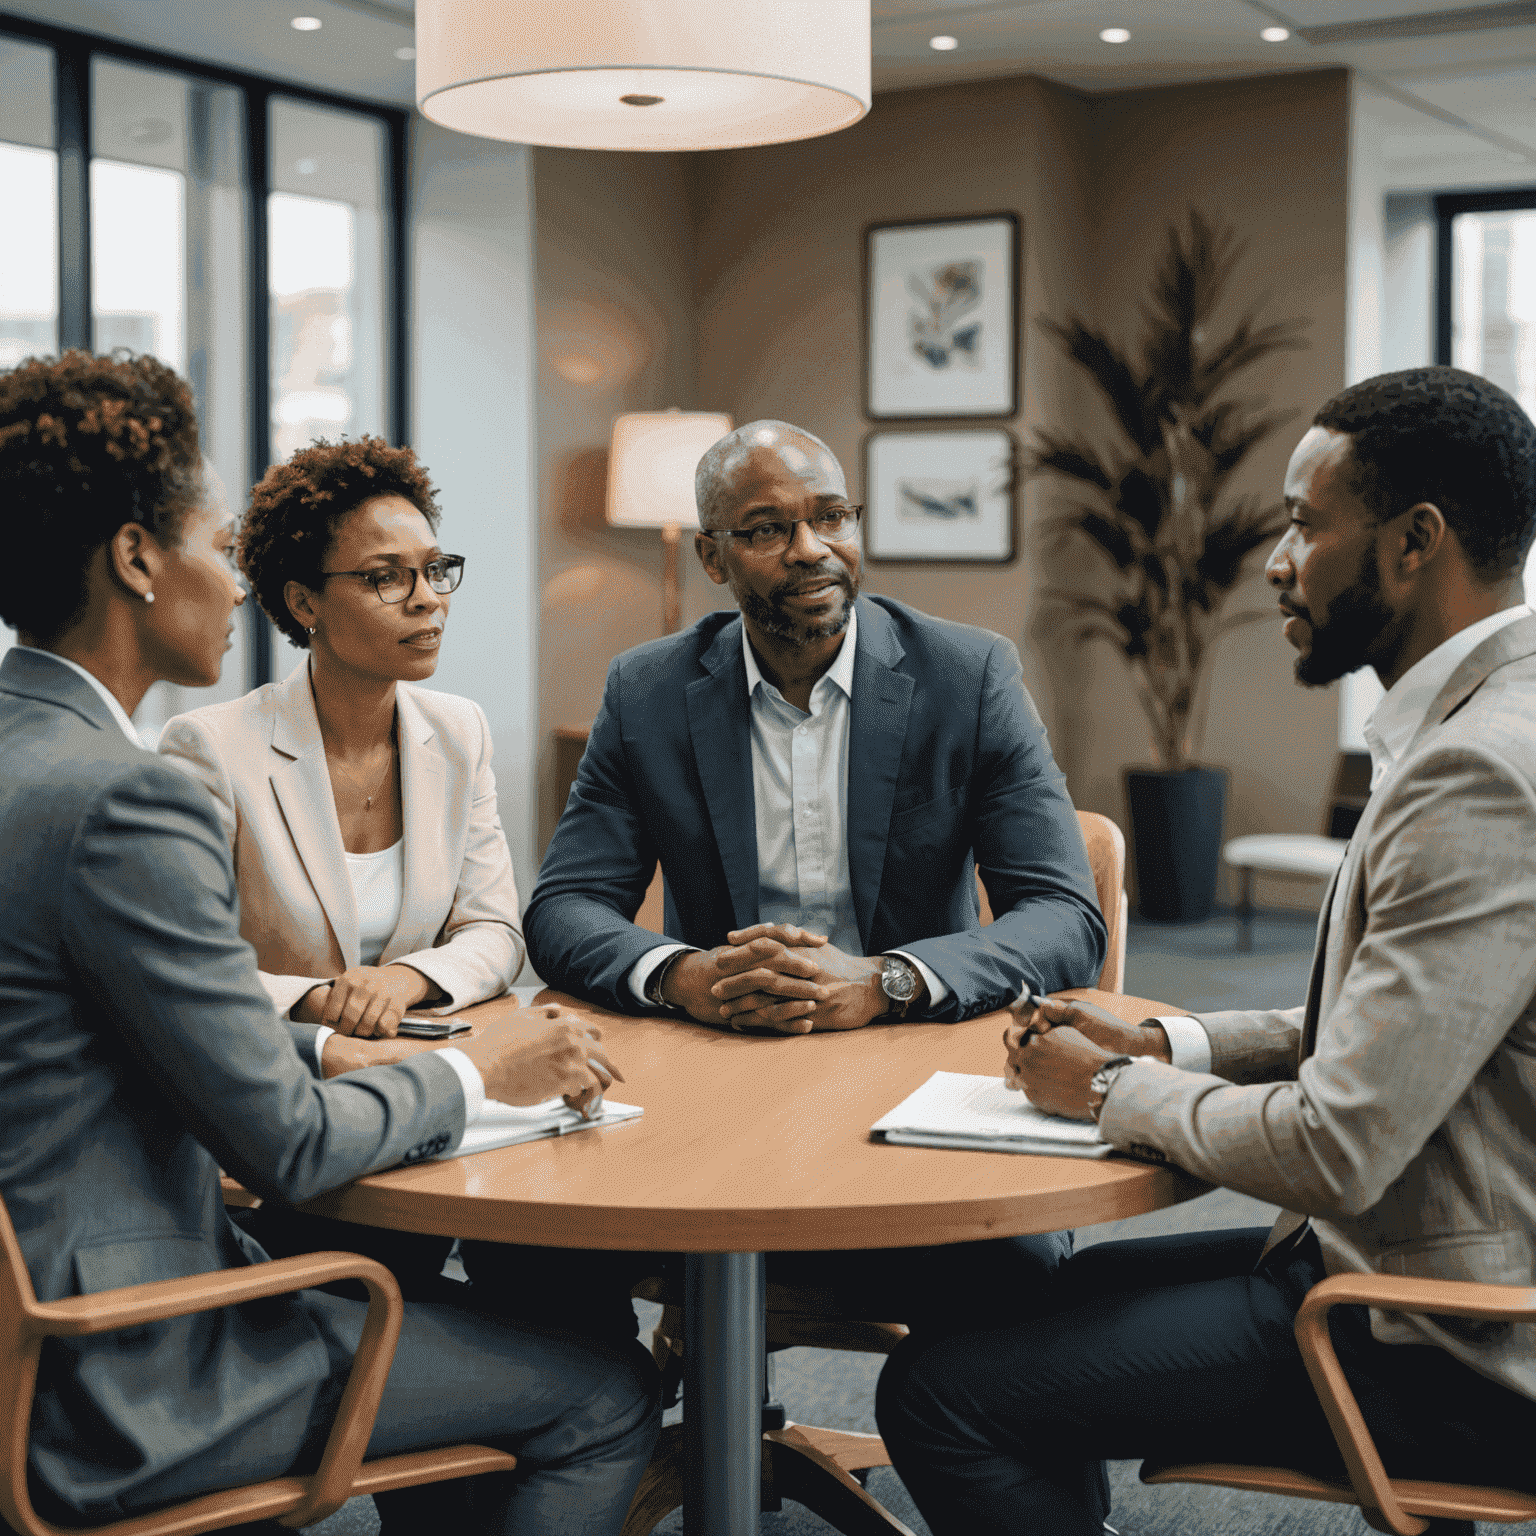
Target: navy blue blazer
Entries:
(948, 767)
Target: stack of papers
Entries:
(954, 1109)
(504, 1125)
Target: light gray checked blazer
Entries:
(1397, 1108)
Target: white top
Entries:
(800, 808)
(378, 887)
(1391, 726)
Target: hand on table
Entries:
(691, 979)
(1054, 1050)
(367, 1001)
(798, 988)
(533, 1054)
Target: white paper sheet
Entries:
(956, 1109)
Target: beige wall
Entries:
(614, 306)
(766, 322)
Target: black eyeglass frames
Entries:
(395, 583)
(832, 525)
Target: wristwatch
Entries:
(899, 982)
(1103, 1080)
(654, 980)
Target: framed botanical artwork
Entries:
(941, 318)
(940, 496)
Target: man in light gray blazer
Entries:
(1392, 1115)
(139, 1053)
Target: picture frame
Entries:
(946, 496)
(941, 318)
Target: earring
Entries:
(149, 597)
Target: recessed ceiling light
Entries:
(1276, 34)
(405, 55)
(305, 23)
(305, 167)
(943, 43)
(1114, 35)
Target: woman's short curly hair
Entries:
(87, 444)
(298, 507)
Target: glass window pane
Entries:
(326, 279)
(168, 274)
(1493, 308)
(29, 169)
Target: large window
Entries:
(246, 232)
(1486, 308)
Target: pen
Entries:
(593, 1109)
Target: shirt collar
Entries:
(840, 672)
(119, 714)
(1396, 719)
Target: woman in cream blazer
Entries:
(373, 874)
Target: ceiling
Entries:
(1451, 87)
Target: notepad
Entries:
(504, 1125)
(978, 1114)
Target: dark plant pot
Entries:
(1176, 823)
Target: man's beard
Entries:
(772, 616)
(1361, 631)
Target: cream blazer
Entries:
(1397, 1107)
(262, 759)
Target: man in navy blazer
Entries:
(791, 790)
(819, 779)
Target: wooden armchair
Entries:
(294, 1501)
(821, 1468)
(1400, 1505)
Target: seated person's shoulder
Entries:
(952, 648)
(231, 729)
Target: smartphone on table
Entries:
(433, 1029)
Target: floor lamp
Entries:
(651, 459)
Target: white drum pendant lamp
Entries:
(643, 74)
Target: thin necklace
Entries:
(368, 798)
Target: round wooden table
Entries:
(748, 1145)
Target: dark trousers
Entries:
(928, 1289)
(1170, 1348)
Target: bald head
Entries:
(797, 450)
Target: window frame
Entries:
(73, 52)
(1447, 206)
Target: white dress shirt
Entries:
(1391, 727)
(466, 1071)
(800, 809)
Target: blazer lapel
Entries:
(1309, 1018)
(423, 805)
(877, 732)
(719, 725)
(303, 789)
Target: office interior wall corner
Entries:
(471, 344)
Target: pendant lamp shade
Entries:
(644, 74)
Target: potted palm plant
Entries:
(1152, 500)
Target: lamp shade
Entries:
(659, 75)
(651, 461)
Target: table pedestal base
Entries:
(724, 1299)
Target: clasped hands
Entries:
(779, 977)
(1054, 1050)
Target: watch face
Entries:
(898, 981)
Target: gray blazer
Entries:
(139, 1054)
(1397, 1108)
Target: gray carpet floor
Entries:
(1198, 966)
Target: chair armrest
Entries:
(1390, 1293)
(159, 1300)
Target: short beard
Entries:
(1360, 630)
(773, 618)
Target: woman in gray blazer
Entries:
(360, 809)
(139, 1053)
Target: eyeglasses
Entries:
(395, 583)
(835, 525)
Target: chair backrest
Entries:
(1106, 857)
